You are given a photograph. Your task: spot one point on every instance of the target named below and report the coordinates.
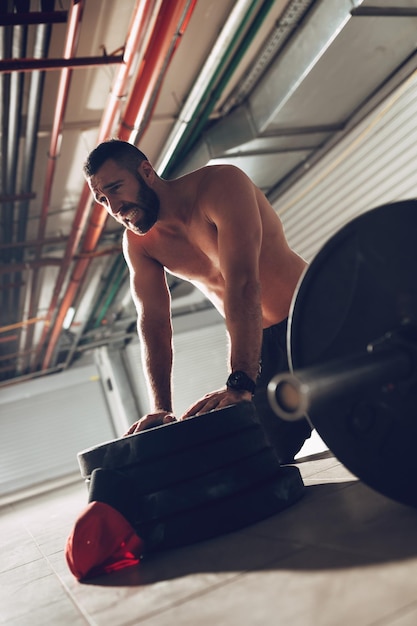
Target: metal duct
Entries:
(249, 120)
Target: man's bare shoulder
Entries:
(221, 174)
(215, 183)
(132, 245)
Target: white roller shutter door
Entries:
(374, 164)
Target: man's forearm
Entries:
(156, 345)
(244, 323)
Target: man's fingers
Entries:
(202, 407)
(167, 419)
(150, 421)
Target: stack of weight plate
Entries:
(194, 479)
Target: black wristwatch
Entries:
(241, 382)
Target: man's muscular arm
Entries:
(230, 203)
(152, 301)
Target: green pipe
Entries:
(100, 298)
(214, 91)
(112, 292)
(212, 82)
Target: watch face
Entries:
(235, 378)
(240, 381)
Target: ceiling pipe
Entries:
(143, 21)
(73, 31)
(36, 89)
(196, 130)
(174, 20)
(141, 18)
(74, 27)
(121, 275)
(5, 329)
(204, 82)
(5, 51)
(10, 157)
(166, 30)
(107, 281)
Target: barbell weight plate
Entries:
(153, 475)
(121, 492)
(158, 442)
(361, 285)
(224, 515)
(212, 486)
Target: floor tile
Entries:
(309, 587)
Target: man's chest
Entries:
(189, 252)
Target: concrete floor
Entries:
(343, 555)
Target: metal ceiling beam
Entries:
(34, 17)
(384, 11)
(29, 65)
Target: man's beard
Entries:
(148, 203)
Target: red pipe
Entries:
(142, 121)
(74, 25)
(73, 30)
(152, 66)
(165, 31)
(135, 33)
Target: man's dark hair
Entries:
(122, 152)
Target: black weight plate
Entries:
(235, 443)
(159, 474)
(225, 514)
(220, 483)
(168, 439)
(361, 285)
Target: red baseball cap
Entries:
(102, 541)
